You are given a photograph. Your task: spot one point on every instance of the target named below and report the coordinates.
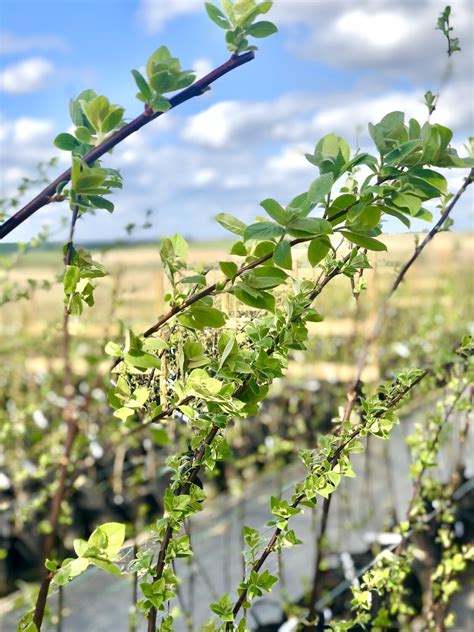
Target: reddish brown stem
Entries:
(71, 434)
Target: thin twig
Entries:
(196, 89)
(351, 396)
(274, 538)
(71, 434)
(197, 459)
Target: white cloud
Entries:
(202, 67)
(241, 122)
(11, 44)
(203, 177)
(291, 159)
(25, 142)
(25, 131)
(297, 118)
(29, 75)
(382, 30)
(378, 35)
(155, 14)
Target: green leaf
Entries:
(162, 81)
(198, 279)
(83, 134)
(425, 215)
(399, 154)
(223, 608)
(365, 217)
(76, 113)
(320, 188)
(201, 383)
(113, 349)
(89, 183)
(96, 110)
(259, 300)
(71, 569)
(141, 359)
(261, 29)
(108, 567)
(142, 84)
(410, 202)
(263, 230)
(98, 201)
(282, 255)
(217, 16)
(363, 240)
(230, 348)
(265, 277)
(275, 210)
(318, 249)
(160, 104)
(229, 268)
(399, 215)
(390, 129)
(159, 436)
(231, 223)
(305, 226)
(199, 316)
(115, 534)
(331, 154)
(238, 249)
(124, 413)
(433, 178)
(71, 278)
(67, 142)
(112, 120)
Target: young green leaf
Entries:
(318, 249)
(217, 16)
(67, 142)
(275, 210)
(229, 268)
(231, 223)
(142, 84)
(320, 188)
(262, 29)
(363, 240)
(307, 226)
(282, 255)
(263, 230)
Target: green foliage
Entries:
(445, 28)
(101, 550)
(77, 280)
(95, 119)
(164, 75)
(238, 20)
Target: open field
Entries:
(132, 296)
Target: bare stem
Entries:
(71, 434)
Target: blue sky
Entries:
(333, 66)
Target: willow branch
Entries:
(71, 434)
(196, 89)
(417, 482)
(199, 455)
(274, 538)
(351, 395)
(375, 331)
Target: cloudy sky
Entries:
(333, 66)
